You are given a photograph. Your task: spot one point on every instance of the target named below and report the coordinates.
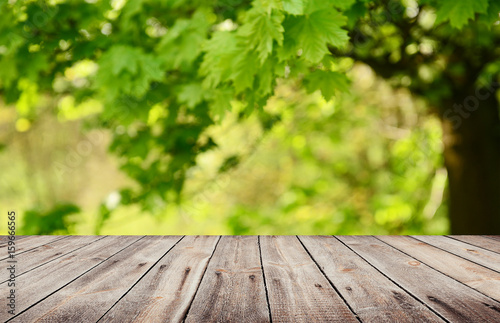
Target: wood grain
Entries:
(255, 279)
(449, 298)
(482, 279)
(44, 280)
(480, 256)
(88, 298)
(5, 238)
(372, 296)
(28, 243)
(48, 252)
(483, 242)
(165, 293)
(232, 289)
(298, 291)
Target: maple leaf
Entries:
(315, 31)
(459, 12)
(262, 29)
(327, 82)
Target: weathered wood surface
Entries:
(446, 296)
(166, 293)
(87, 298)
(297, 289)
(254, 279)
(372, 296)
(232, 288)
(479, 241)
(476, 276)
(28, 243)
(36, 257)
(480, 256)
(45, 280)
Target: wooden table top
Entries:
(253, 279)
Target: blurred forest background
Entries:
(369, 160)
(365, 162)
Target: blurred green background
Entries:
(365, 162)
(250, 117)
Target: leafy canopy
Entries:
(166, 70)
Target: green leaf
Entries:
(219, 53)
(327, 82)
(355, 12)
(121, 58)
(294, 7)
(151, 67)
(182, 44)
(36, 64)
(131, 8)
(492, 14)
(343, 4)
(191, 94)
(127, 70)
(315, 31)
(266, 78)
(243, 71)
(316, 5)
(221, 103)
(261, 30)
(459, 12)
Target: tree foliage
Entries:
(159, 73)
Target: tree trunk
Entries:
(471, 137)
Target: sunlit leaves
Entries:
(28, 99)
(127, 70)
(243, 70)
(191, 94)
(195, 60)
(294, 7)
(56, 220)
(343, 4)
(313, 33)
(182, 43)
(261, 30)
(121, 57)
(219, 51)
(328, 82)
(459, 12)
(221, 102)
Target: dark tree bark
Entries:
(471, 137)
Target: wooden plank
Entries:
(46, 253)
(166, 291)
(30, 242)
(18, 237)
(493, 237)
(372, 296)
(298, 291)
(232, 289)
(479, 241)
(480, 256)
(87, 298)
(5, 238)
(482, 279)
(39, 283)
(449, 298)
